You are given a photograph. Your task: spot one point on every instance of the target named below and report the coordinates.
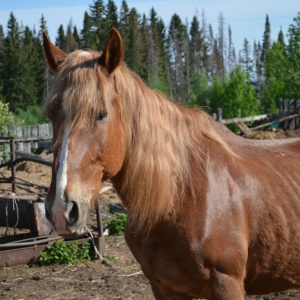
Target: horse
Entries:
(210, 214)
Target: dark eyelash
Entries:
(101, 116)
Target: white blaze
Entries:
(59, 215)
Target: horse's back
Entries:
(274, 248)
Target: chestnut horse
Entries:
(210, 214)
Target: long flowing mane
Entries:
(162, 137)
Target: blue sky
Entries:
(246, 17)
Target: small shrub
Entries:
(117, 225)
(6, 117)
(65, 253)
(111, 257)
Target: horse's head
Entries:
(88, 139)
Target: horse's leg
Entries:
(226, 287)
(162, 294)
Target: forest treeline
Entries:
(190, 62)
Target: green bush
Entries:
(6, 117)
(117, 225)
(65, 253)
(31, 116)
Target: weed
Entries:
(111, 257)
(65, 253)
(117, 225)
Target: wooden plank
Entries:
(244, 128)
(34, 133)
(270, 123)
(244, 119)
(27, 134)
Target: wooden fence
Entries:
(290, 107)
(27, 138)
(287, 119)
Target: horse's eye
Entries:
(102, 116)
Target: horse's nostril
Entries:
(73, 213)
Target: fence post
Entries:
(219, 114)
(12, 165)
(292, 110)
(297, 111)
(281, 106)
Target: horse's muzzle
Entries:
(68, 219)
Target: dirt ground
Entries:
(117, 277)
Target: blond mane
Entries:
(162, 137)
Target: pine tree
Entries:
(134, 57)
(98, 17)
(212, 52)
(111, 15)
(43, 26)
(231, 61)
(46, 77)
(266, 46)
(177, 54)
(86, 35)
(196, 48)
(60, 40)
(281, 37)
(76, 36)
(30, 61)
(222, 51)
(206, 40)
(2, 98)
(293, 52)
(71, 44)
(12, 69)
(246, 60)
(156, 55)
(258, 70)
(124, 23)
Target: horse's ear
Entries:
(53, 54)
(113, 53)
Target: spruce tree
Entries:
(266, 46)
(30, 62)
(111, 15)
(195, 47)
(76, 36)
(2, 98)
(71, 44)
(156, 56)
(124, 27)
(231, 60)
(134, 57)
(293, 51)
(98, 17)
(177, 54)
(86, 35)
(12, 69)
(246, 60)
(222, 49)
(60, 40)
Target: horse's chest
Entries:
(168, 262)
